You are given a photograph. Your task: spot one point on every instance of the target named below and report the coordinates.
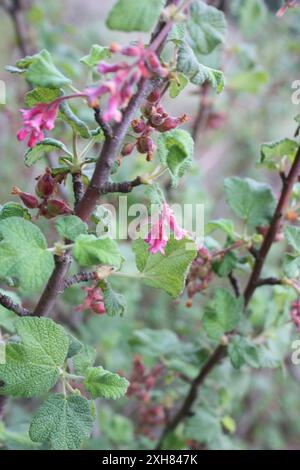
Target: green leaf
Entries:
(206, 26)
(225, 225)
(70, 226)
(203, 427)
(272, 153)
(226, 265)
(222, 314)
(79, 126)
(250, 200)
(14, 209)
(96, 54)
(242, 351)
(41, 95)
(197, 73)
(23, 254)
(41, 71)
(291, 266)
(249, 81)
(102, 383)
(41, 148)
(168, 271)
(130, 15)
(292, 235)
(84, 359)
(177, 84)
(89, 251)
(115, 304)
(156, 343)
(175, 149)
(252, 16)
(64, 422)
(33, 365)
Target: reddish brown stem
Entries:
(186, 407)
(287, 188)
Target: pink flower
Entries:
(37, 119)
(157, 238)
(93, 301)
(283, 9)
(295, 313)
(104, 67)
(121, 86)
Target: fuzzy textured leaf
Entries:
(23, 254)
(33, 366)
(48, 145)
(41, 71)
(96, 54)
(222, 314)
(102, 383)
(90, 250)
(130, 15)
(168, 271)
(187, 63)
(175, 149)
(70, 227)
(63, 422)
(252, 201)
(206, 26)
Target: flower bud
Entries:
(127, 149)
(98, 307)
(154, 96)
(57, 207)
(145, 144)
(147, 109)
(28, 200)
(45, 185)
(171, 123)
(114, 47)
(138, 125)
(156, 119)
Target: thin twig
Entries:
(78, 187)
(273, 228)
(8, 303)
(107, 130)
(124, 187)
(235, 284)
(269, 281)
(191, 397)
(80, 277)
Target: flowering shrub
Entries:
(50, 242)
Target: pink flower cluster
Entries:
(158, 236)
(120, 87)
(93, 300)
(295, 313)
(288, 4)
(153, 119)
(37, 119)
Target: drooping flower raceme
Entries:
(295, 313)
(37, 119)
(40, 118)
(158, 236)
(93, 300)
(121, 86)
